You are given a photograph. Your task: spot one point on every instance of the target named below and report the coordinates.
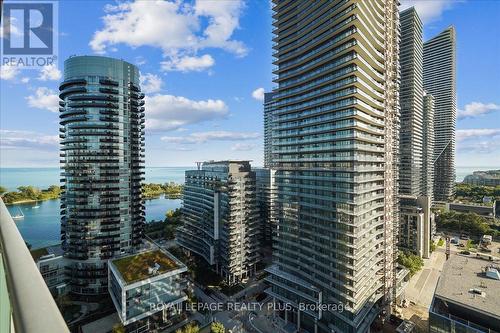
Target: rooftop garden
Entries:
(135, 268)
(38, 253)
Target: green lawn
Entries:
(135, 268)
(36, 254)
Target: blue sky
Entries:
(205, 66)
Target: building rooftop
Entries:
(138, 267)
(463, 280)
(56, 250)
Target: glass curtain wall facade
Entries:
(440, 82)
(335, 134)
(102, 151)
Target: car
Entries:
(464, 236)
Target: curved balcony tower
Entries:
(102, 164)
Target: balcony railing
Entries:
(26, 304)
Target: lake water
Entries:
(11, 178)
(41, 226)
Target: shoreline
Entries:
(28, 201)
(146, 198)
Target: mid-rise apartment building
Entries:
(221, 218)
(416, 220)
(466, 297)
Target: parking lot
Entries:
(461, 242)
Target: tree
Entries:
(433, 247)
(217, 327)
(464, 222)
(411, 261)
(189, 328)
(3, 190)
(118, 328)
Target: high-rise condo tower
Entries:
(415, 215)
(335, 133)
(102, 150)
(440, 82)
(411, 101)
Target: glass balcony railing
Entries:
(26, 304)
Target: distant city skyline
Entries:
(206, 102)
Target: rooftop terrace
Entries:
(136, 267)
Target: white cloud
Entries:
(223, 21)
(140, 60)
(187, 63)
(258, 94)
(180, 29)
(479, 147)
(475, 109)
(50, 72)
(168, 112)
(243, 146)
(164, 24)
(471, 143)
(25, 80)
(202, 137)
(182, 148)
(464, 134)
(8, 72)
(45, 99)
(18, 139)
(150, 83)
(428, 10)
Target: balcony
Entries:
(30, 307)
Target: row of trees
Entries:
(475, 193)
(166, 228)
(215, 327)
(29, 193)
(470, 223)
(171, 190)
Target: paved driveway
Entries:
(420, 289)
